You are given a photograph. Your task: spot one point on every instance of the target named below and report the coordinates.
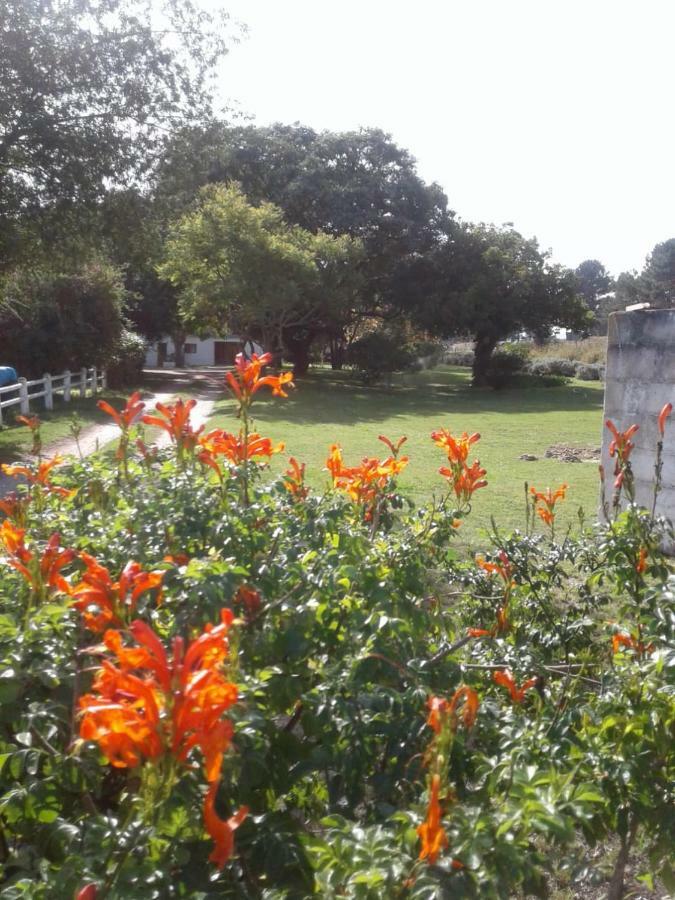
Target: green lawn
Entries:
(331, 407)
(15, 440)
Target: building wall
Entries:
(203, 356)
(640, 379)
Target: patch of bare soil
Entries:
(565, 453)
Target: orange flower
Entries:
(294, 479)
(15, 507)
(625, 640)
(456, 448)
(641, 564)
(334, 463)
(431, 832)
(478, 632)
(443, 712)
(176, 423)
(238, 448)
(150, 705)
(503, 568)
(506, 679)
(549, 499)
(249, 598)
(130, 415)
(221, 830)
(394, 448)
(39, 476)
(245, 380)
(104, 602)
(41, 572)
(621, 445)
(466, 479)
(663, 415)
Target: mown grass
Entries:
(15, 439)
(329, 407)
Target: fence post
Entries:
(94, 381)
(49, 396)
(66, 386)
(24, 403)
(104, 380)
(83, 383)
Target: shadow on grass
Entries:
(337, 397)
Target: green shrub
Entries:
(50, 321)
(127, 361)
(379, 354)
(590, 372)
(505, 364)
(552, 366)
(458, 358)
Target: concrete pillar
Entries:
(49, 393)
(640, 379)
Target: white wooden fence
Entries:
(21, 393)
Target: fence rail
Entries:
(47, 387)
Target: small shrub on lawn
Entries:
(505, 364)
(552, 366)
(591, 372)
(215, 685)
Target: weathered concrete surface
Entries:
(640, 379)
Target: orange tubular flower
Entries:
(130, 415)
(176, 423)
(221, 830)
(249, 598)
(621, 446)
(104, 602)
(294, 480)
(456, 448)
(443, 712)
(151, 705)
(506, 679)
(41, 572)
(431, 832)
(365, 482)
(393, 447)
(246, 380)
(663, 416)
(630, 643)
(641, 564)
(238, 448)
(503, 568)
(549, 499)
(15, 507)
(39, 476)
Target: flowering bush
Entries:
(372, 715)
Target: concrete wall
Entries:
(640, 379)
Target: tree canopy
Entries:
(89, 90)
(244, 267)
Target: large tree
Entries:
(657, 282)
(89, 90)
(490, 283)
(244, 268)
(357, 183)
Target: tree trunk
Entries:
(337, 353)
(298, 344)
(482, 349)
(178, 339)
(616, 885)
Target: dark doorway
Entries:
(161, 354)
(224, 352)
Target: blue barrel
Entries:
(7, 375)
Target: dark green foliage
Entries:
(380, 353)
(506, 363)
(51, 322)
(126, 363)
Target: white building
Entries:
(199, 351)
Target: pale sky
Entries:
(556, 115)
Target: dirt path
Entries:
(205, 385)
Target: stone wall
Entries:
(640, 379)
